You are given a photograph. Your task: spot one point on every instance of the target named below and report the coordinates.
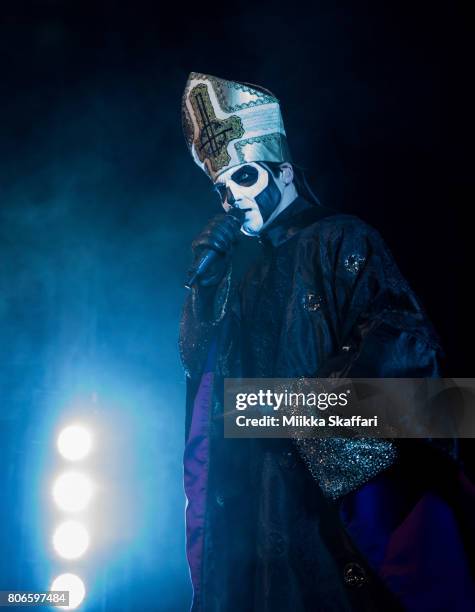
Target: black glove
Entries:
(219, 234)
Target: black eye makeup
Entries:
(220, 189)
(245, 176)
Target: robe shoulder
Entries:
(353, 262)
(337, 227)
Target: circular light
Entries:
(74, 442)
(71, 539)
(72, 491)
(73, 584)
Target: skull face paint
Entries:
(250, 187)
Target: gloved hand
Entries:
(219, 234)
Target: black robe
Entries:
(317, 295)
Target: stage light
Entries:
(73, 584)
(74, 442)
(72, 491)
(71, 539)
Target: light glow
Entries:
(73, 584)
(72, 491)
(74, 442)
(71, 539)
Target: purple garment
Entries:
(195, 461)
(415, 546)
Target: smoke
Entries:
(94, 245)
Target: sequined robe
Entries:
(320, 296)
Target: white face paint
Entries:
(240, 186)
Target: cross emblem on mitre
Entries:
(214, 134)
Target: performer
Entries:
(325, 524)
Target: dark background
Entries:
(99, 200)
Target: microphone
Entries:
(209, 255)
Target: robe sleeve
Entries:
(379, 329)
(203, 310)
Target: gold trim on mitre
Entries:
(227, 123)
